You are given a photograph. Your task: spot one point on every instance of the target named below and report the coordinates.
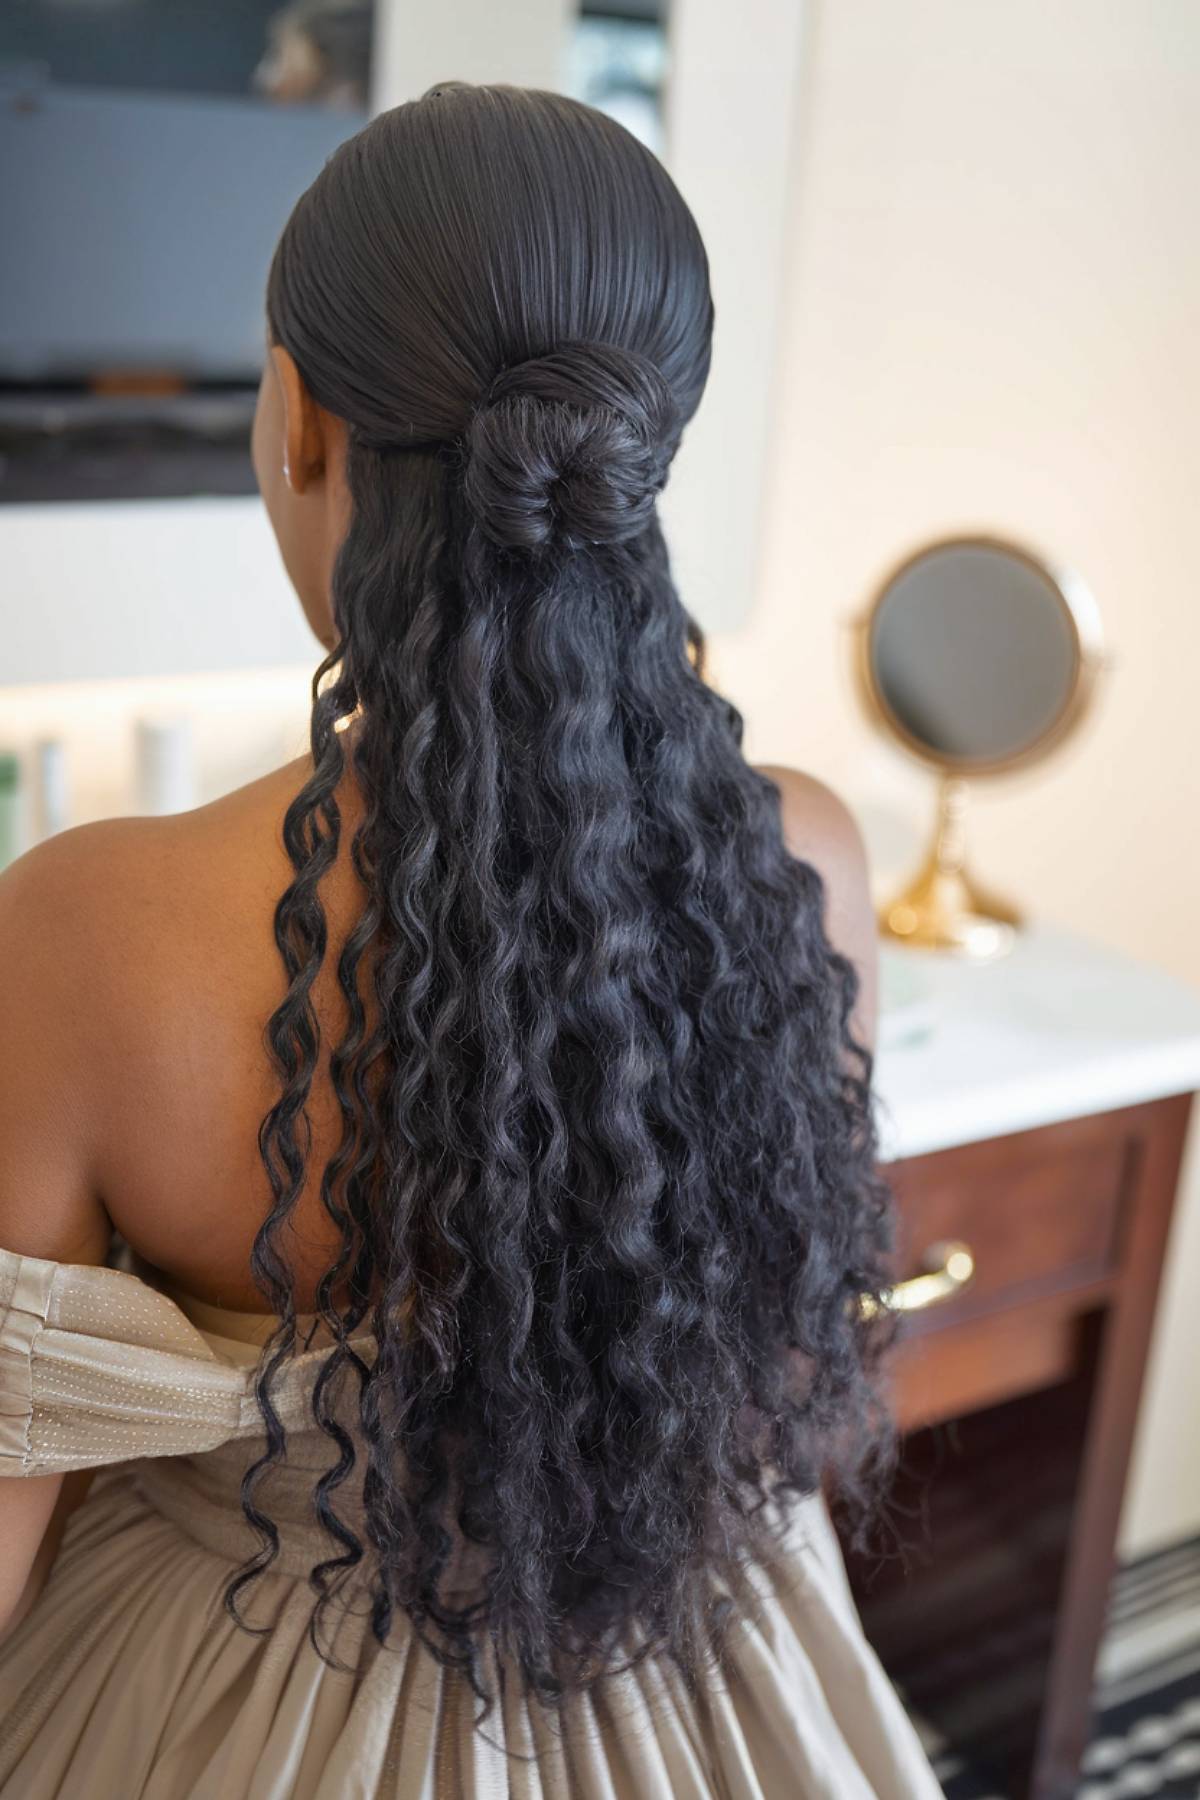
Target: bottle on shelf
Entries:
(51, 789)
(10, 807)
(166, 776)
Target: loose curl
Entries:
(605, 1186)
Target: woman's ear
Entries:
(304, 448)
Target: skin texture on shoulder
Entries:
(55, 954)
(106, 933)
(145, 949)
(818, 828)
(48, 1203)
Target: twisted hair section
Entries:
(572, 447)
(605, 1187)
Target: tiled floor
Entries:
(1146, 1735)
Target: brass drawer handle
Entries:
(953, 1267)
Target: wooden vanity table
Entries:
(1039, 1127)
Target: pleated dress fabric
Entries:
(128, 1680)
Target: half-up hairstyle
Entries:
(606, 1181)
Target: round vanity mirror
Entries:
(978, 657)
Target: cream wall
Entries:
(731, 107)
(991, 320)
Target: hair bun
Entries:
(571, 448)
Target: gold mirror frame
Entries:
(943, 907)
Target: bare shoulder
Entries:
(818, 825)
(64, 914)
(91, 874)
(111, 939)
(102, 910)
(73, 913)
(64, 894)
(54, 905)
(820, 829)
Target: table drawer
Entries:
(939, 1375)
(1040, 1211)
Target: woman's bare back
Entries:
(141, 959)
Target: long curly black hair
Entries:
(606, 1180)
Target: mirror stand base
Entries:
(943, 908)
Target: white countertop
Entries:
(1056, 1029)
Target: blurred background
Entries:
(956, 270)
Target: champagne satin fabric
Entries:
(129, 1681)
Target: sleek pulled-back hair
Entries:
(605, 1182)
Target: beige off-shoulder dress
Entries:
(128, 1680)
